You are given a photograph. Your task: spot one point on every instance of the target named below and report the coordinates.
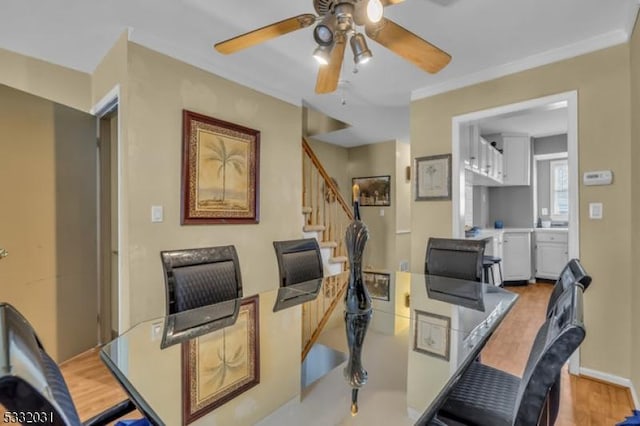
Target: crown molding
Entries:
(554, 55)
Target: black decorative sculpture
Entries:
(357, 303)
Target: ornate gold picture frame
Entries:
(220, 171)
(219, 366)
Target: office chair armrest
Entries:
(111, 413)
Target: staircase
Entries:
(327, 216)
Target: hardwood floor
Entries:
(585, 402)
(92, 386)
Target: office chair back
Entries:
(560, 335)
(298, 261)
(30, 381)
(200, 277)
(455, 258)
(573, 273)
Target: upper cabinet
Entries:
(517, 160)
(483, 160)
(498, 160)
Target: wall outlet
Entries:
(381, 212)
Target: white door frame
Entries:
(458, 178)
(103, 107)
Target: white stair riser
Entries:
(327, 253)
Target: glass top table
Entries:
(424, 332)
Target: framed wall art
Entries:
(433, 178)
(374, 190)
(377, 285)
(219, 366)
(431, 334)
(220, 171)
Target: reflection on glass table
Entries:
(413, 352)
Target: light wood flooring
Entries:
(585, 402)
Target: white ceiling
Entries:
(487, 38)
(538, 122)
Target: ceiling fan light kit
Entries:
(361, 52)
(322, 54)
(337, 21)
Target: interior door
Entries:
(108, 218)
(48, 219)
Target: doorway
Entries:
(108, 224)
(48, 219)
(460, 133)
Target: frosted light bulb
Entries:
(374, 10)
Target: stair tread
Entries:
(338, 259)
(328, 244)
(313, 228)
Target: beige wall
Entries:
(375, 160)
(602, 81)
(59, 84)
(635, 203)
(159, 88)
(47, 219)
(112, 72)
(402, 204)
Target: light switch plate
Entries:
(595, 210)
(156, 330)
(157, 214)
(545, 211)
(381, 212)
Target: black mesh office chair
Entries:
(455, 258)
(298, 261)
(573, 273)
(200, 277)
(491, 397)
(31, 382)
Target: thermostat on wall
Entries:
(601, 177)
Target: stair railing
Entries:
(329, 214)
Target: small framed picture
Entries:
(431, 334)
(433, 178)
(374, 190)
(377, 284)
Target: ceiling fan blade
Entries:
(329, 74)
(265, 33)
(408, 45)
(390, 2)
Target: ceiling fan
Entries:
(337, 22)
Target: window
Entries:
(559, 177)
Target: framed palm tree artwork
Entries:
(220, 171)
(219, 366)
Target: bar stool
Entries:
(487, 267)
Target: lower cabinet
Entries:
(552, 254)
(516, 255)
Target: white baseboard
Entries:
(616, 380)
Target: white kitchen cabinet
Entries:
(516, 255)
(552, 253)
(516, 160)
(481, 158)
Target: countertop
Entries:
(554, 229)
(490, 232)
